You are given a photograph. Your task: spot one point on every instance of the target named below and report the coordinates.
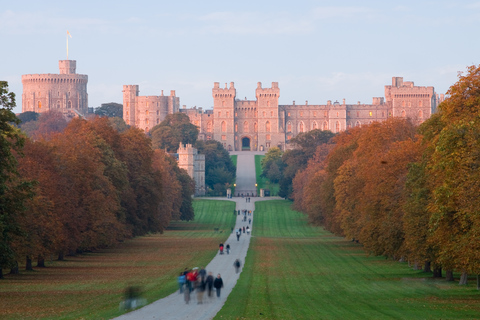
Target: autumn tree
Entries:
(110, 110)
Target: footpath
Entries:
(173, 307)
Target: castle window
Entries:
(223, 103)
(209, 126)
(325, 125)
(337, 127)
(358, 114)
(326, 113)
(158, 121)
(289, 126)
(224, 126)
(300, 127)
(314, 125)
(403, 103)
(349, 125)
(370, 113)
(236, 127)
(228, 113)
(289, 136)
(224, 137)
(289, 114)
(268, 103)
(39, 105)
(268, 137)
(409, 104)
(264, 113)
(246, 114)
(337, 114)
(219, 114)
(357, 124)
(420, 103)
(127, 113)
(301, 113)
(383, 114)
(420, 114)
(69, 104)
(146, 129)
(348, 113)
(146, 112)
(255, 127)
(314, 113)
(236, 114)
(146, 121)
(403, 113)
(271, 113)
(158, 112)
(58, 104)
(245, 126)
(267, 126)
(59, 93)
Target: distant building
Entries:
(194, 163)
(145, 112)
(65, 92)
(260, 124)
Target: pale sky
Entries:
(315, 50)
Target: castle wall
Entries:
(65, 92)
(145, 112)
(194, 163)
(262, 123)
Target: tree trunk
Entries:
(40, 261)
(426, 267)
(28, 264)
(437, 272)
(478, 281)
(416, 266)
(1, 273)
(14, 270)
(463, 278)
(449, 275)
(60, 256)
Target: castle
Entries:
(145, 112)
(194, 163)
(65, 92)
(260, 124)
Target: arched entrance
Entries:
(246, 144)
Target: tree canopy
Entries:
(173, 130)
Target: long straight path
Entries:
(173, 307)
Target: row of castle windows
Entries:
(39, 105)
(58, 80)
(420, 103)
(222, 95)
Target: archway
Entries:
(245, 144)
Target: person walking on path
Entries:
(228, 248)
(209, 283)
(218, 284)
(237, 265)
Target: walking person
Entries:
(228, 248)
(238, 235)
(209, 283)
(218, 284)
(182, 278)
(237, 265)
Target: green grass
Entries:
(264, 183)
(297, 271)
(91, 286)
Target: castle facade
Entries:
(145, 112)
(260, 124)
(65, 92)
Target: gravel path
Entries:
(174, 307)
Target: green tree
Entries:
(13, 193)
(173, 130)
(110, 110)
(28, 116)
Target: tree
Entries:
(110, 110)
(272, 164)
(13, 193)
(219, 169)
(173, 130)
(28, 116)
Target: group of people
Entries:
(220, 247)
(197, 280)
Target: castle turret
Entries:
(224, 106)
(130, 93)
(67, 66)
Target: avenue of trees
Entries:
(71, 187)
(403, 191)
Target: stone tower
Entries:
(224, 106)
(270, 128)
(65, 92)
(194, 163)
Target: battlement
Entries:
(226, 92)
(274, 91)
(54, 78)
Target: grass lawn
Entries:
(91, 286)
(297, 271)
(264, 183)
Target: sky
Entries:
(315, 50)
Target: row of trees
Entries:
(84, 187)
(403, 191)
